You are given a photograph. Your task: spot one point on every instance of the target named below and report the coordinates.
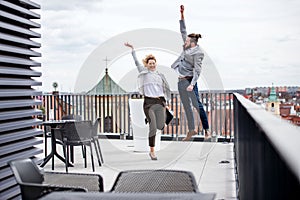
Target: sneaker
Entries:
(189, 135)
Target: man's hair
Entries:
(194, 37)
(147, 58)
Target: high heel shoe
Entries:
(153, 157)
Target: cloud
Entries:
(245, 39)
(58, 5)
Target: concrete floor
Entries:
(211, 163)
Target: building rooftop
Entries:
(106, 86)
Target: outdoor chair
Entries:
(48, 131)
(77, 133)
(96, 141)
(94, 137)
(75, 118)
(35, 183)
(128, 196)
(155, 181)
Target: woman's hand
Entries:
(128, 45)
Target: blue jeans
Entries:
(191, 96)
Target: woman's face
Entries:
(151, 65)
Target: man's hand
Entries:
(190, 88)
(181, 12)
(182, 8)
(128, 45)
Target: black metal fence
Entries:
(267, 153)
(114, 112)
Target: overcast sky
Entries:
(251, 42)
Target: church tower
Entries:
(106, 86)
(273, 105)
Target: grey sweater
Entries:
(190, 61)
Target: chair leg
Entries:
(66, 152)
(45, 138)
(99, 150)
(84, 155)
(72, 153)
(92, 157)
(83, 151)
(52, 163)
(96, 149)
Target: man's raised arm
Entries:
(181, 12)
(182, 24)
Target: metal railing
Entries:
(266, 152)
(114, 112)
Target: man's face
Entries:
(187, 43)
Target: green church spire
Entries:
(273, 96)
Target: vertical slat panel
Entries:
(87, 107)
(100, 114)
(175, 109)
(225, 115)
(232, 133)
(73, 104)
(69, 104)
(103, 112)
(18, 98)
(80, 105)
(115, 100)
(92, 107)
(126, 107)
(114, 112)
(119, 108)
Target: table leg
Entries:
(46, 159)
(53, 152)
(45, 140)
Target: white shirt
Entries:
(153, 85)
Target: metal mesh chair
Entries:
(47, 130)
(34, 183)
(128, 196)
(75, 118)
(90, 182)
(153, 181)
(77, 133)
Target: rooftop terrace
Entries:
(211, 163)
